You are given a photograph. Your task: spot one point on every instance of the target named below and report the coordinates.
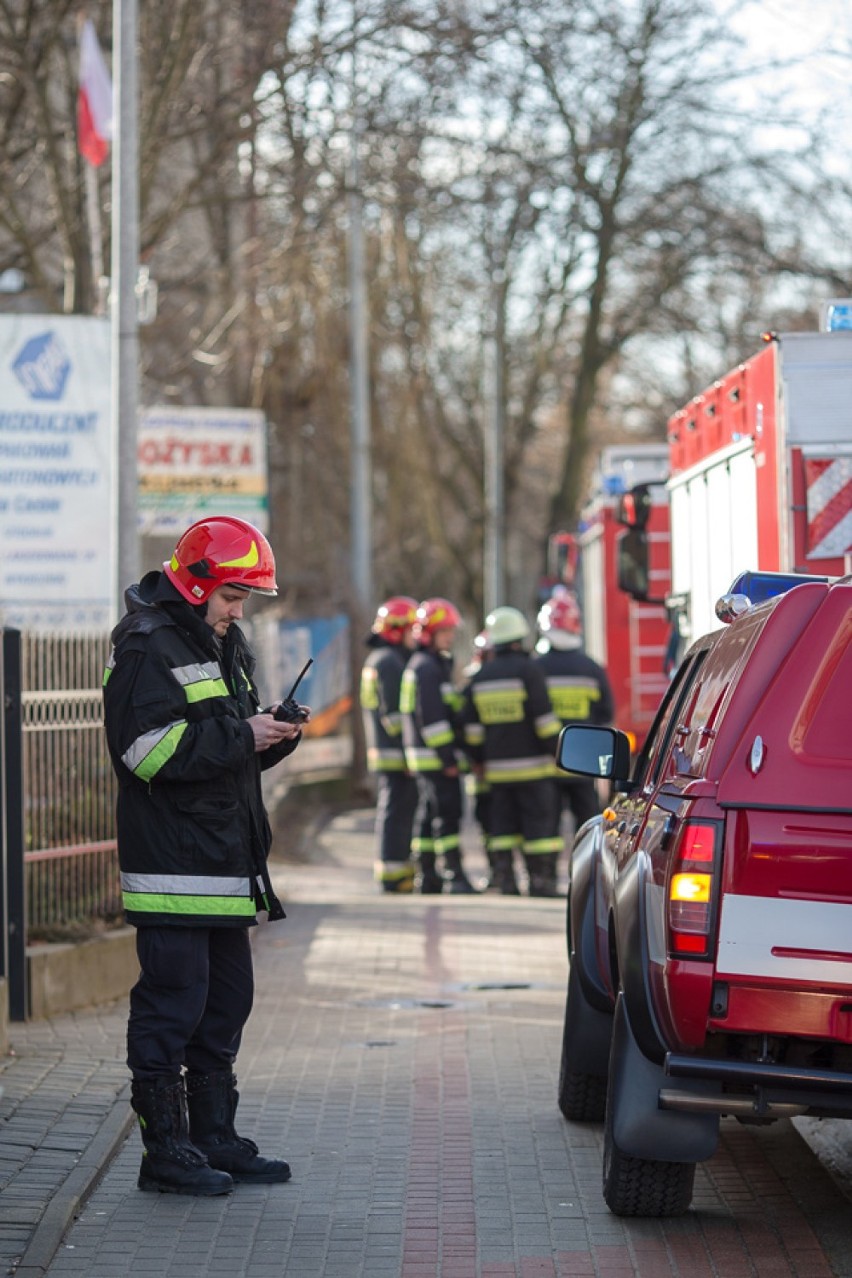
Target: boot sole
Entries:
(152, 1187)
(261, 1179)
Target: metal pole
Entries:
(13, 833)
(494, 575)
(124, 270)
(361, 497)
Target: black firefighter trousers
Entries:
(191, 1002)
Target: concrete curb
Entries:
(79, 1185)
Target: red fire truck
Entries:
(761, 472)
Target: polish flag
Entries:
(94, 99)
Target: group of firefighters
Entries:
(427, 738)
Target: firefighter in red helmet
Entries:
(579, 689)
(188, 742)
(430, 706)
(390, 642)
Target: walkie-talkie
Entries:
(289, 711)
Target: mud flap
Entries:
(639, 1127)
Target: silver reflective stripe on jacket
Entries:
(153, 749)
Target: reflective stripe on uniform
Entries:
(151, 903)
(379, 760)
(533, 769)
(538, 847)
(188, 894)
(109, 667)
(573, 697)
(392, 724)
(420, 760)
(500, 700)
(438, 733)
(547, 725)
(153, 749)
(201, 680)
(187, 884)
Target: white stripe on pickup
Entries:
(785, 939)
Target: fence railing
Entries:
(69, 786)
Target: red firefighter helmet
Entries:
(561, 613)
(434, 615)
(394, 617)
(221, 551)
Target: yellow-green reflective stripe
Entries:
(535, 846)
(153, 750)
(206, 689)
(447, 844)
(504, 842)
(438, 734)
(519, 774)
(422, 845)
(168, 903)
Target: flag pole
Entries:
(96, 234)
(124, 269)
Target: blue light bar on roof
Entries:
(760, 586)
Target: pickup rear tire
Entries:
(643, 1186)
(635, 1186)
(582, 1093)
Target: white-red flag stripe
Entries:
(94, 99)
(829, 502)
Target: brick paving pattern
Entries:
(403, 1055)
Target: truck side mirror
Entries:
(593, 751)
(633, 509)
(632, 564)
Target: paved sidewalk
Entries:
(402, 1055)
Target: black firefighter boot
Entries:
(171, 1164)
(429, 881)
(542, 871)
(504, 872)
(454, 876)
(212, 1100)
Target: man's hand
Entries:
(269, 731)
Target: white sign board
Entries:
(57, 551)
(201, 461)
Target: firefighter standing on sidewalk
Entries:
(188, 742)
(579, 690)
(510, 731)
(429, 706)
(396, 799)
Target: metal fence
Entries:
(68, 783)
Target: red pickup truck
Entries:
(710, 906)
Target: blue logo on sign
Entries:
(42, 367)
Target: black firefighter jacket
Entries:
(193, 835)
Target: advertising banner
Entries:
(57, 552)
(201, 461)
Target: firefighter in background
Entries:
(510, 730)
(429, 705)
(579, 689)
(390, 644)
(477, 788)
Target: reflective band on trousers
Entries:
(153, 749)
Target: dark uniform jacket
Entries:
(193, 835)
(579, 688)
(508, 720)
(381, 680)
(429, 704)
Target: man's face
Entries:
(442, 640)
(225, 605)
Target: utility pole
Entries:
(361, 496)
(124, 269)
(494, 575)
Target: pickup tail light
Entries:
(692, 890)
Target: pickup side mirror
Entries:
(594, 752)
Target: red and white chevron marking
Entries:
(829, 485)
